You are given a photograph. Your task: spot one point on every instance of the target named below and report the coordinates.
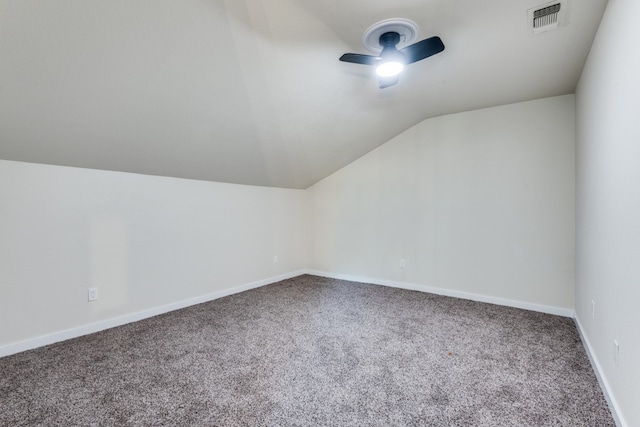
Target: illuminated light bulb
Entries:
(389, 69)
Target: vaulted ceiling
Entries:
(251, 91)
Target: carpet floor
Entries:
(314, 351)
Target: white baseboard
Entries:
(52, 338)
(55, 337)
(558, 311)
(602, 379)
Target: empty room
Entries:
(319, 213)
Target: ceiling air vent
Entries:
(547, 16)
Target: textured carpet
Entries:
(314, 351)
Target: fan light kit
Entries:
(384, 38)
(389, 69)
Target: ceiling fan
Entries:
(391, 60)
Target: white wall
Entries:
(144, 241)
(480, 202)
(608, 203)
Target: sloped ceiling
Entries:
(251, 91)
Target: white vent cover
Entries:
(546, 16)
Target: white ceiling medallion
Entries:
(407, 29)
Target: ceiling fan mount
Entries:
(408, 31)
(389, 61)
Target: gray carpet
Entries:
(313, 351)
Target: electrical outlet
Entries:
(275, 259)
(403, 263)
(593, 309)
(93, 294)
(616, 352)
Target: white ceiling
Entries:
(251, 91)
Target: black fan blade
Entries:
(423, 49)
(357, 58)
(388, 81)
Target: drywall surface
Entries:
(479, 202)
(608, 204)
(143, 241)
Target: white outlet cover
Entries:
(403, 263)
(93, 294)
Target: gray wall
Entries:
(479, 204)
(145, 242)
(608, 203)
